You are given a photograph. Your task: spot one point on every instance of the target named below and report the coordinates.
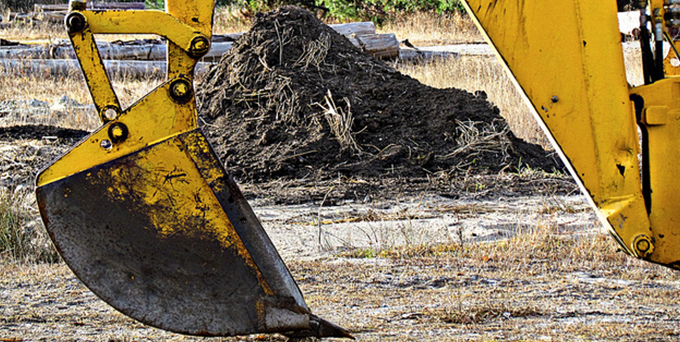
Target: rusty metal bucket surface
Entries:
(165, 236)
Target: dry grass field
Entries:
(542, 281)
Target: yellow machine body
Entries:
(567, 58)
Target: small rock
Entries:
(64, 102)
(37, 103)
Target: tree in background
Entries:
(376, 10)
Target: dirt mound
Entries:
(293, 98)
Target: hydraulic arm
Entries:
(620, 142)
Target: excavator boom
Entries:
(620, 142)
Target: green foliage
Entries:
(377, 10)
(154, 4)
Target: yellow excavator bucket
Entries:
(145, 214)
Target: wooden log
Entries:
(115, 69)
(228, 37)
(359, 28)
(418, 55)
(50, 7)
(56, 17)
(384, 46)
(107, 51)
(116, 5)
(217, 50)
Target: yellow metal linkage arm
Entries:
(186, 25)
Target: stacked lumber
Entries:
(34, 59)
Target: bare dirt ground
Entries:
(527, 268)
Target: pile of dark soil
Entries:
(295, 99)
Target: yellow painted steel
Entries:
(155, 117)
(186, 25)
(143, 21)
(143, 204)
(98, 81)
(150, 120)
(567, 58)
(661, 117)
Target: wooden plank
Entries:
(359, 28)
(384, 46)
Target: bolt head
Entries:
(75, 22)
(644, 246)
(180, 91)
(199, 46)
(106, 144)
(110, 114)
(118, 132)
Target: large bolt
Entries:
(200, 45)
(109, 113)
(118, 132)
(75, 22)
(643, 245)
(180, 91)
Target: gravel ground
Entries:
(502, 282)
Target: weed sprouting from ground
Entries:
(22, 238)
(484, 312)
(544, 242)
(340, 121)
(13, 239)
